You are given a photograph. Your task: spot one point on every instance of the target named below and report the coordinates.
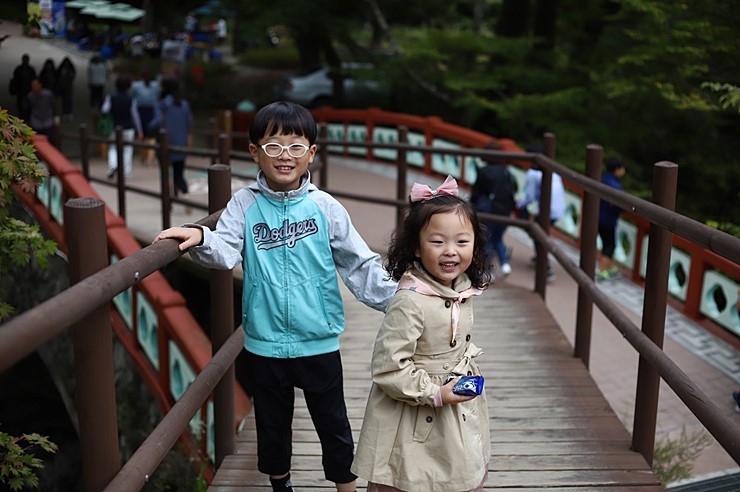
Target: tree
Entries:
(20, 243)
(625, 74)
(18, 464)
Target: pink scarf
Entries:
(410, 282)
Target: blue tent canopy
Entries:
(213, 8)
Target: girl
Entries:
(417, 435)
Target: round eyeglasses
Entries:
(295, 150)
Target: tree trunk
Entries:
(514, 19)
(545, 17)
(479, 8)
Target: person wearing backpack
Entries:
(493, 193)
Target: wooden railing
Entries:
(150, 319)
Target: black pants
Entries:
(96, 96)
(608, 240)
(66, 97)
(24, 107)
(272, 382)
(178, 175)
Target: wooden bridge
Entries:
(550, 425)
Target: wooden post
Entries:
(213, 125)
(85, 151)
(120, 176)
(589, 231)
(224, 149)
(540, 276)
(324, 157)
(164, 178)
(222, 322)
(402, 167)
(93, 348)
(665, 179)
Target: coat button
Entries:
(453, 343)
(446, 366)
(467, 337)
(429, 419)
(448, 303)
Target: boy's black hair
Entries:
(405, 240)
(123, 83)
(613, 163)
(283, 118)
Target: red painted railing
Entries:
(175, 321)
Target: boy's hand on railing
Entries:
(189, 236)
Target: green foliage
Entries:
(730, 94)
(629, 75)
(19, 242)
(729, 228)
(673, 458)
(275, 58)
(18, 463)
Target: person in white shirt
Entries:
(97, 77)
(221, 30)
(532, 189)
(532, 186)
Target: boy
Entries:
(608, 217)
(292, 239)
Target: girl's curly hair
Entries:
(405, 239)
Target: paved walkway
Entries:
(711, 363)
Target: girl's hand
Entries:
(450, 398)
(190, 236)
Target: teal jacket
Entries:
(291, 246)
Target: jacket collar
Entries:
(263, 187)
(461, 283)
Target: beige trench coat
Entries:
(405, 442)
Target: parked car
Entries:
(315, 88)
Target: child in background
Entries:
(608, 217)
(292, 239)
(417, 435)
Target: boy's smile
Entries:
(283, 172)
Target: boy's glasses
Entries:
(295, 150)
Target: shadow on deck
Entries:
(551, 427)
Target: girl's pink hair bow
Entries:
(422, 193)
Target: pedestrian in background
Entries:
(221, 30)
(608, 218)
(41, 104)
(177, 119)
(532, 190)
(493, 192)
(65, 77)
(146, 93)
(123, 111)
(48, 76)
(97, 78)
(20, 86)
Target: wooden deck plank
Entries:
(550, 425)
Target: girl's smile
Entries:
(446, 246)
